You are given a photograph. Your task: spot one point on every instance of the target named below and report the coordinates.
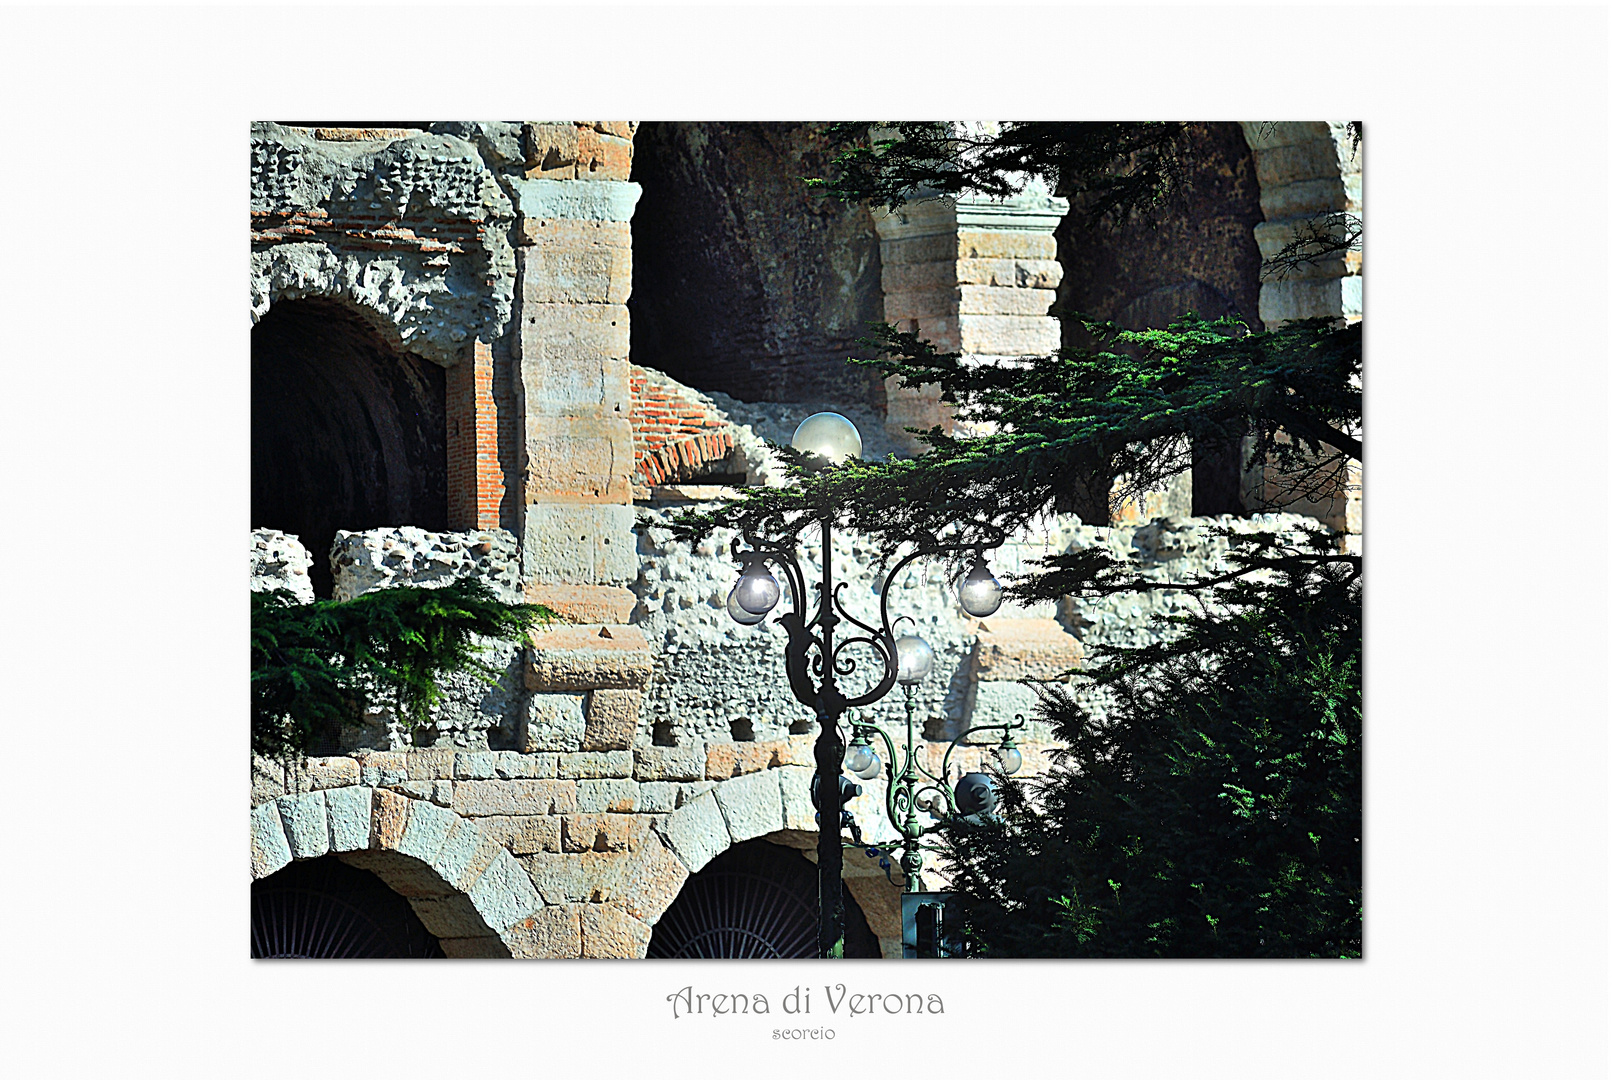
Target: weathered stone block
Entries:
(881, 904)
(602, 832)
(602, 156)
(1005, 244)
(450, 917)
(1015, 273)
(735, 759)
(689, 792)
(997, 300)
(270, 849)
(611, 718)
(919, 276)
(579, 459)
(581, 236)
(331, 772)
(574, 359)
(696, 833)
(1008, 335)
(432, 763)
(655, 797)
(1305, 198)
(608, 932)
(752, 805)
(600, 765)
(485, 798)
(268, 780)
(1309, 160)
(652, 881)
(797, 750)
(389, 815)
(1265, 134)
(554, 722)
(550, 150)
(307, 831)
(348, 810)
(1282, 301)
(474, 948)
(607, 796)
(571, 658)
(594, 200)
(922, 303)
(586, 544)
(504, 895)
(1013, 649)
(465, 854)
(477, 766)
(670, 762)
(428, 827)
(512, 765)
(551, 933)
(597, 604)
(795, 787)
(929, 248)
(571, 877)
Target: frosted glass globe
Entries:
(828, 438)
(862, 762)
(914, 658)
(757, 590)
(1009, 759)
(980, 594)
(739, 614)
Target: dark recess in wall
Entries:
(743, 281)
(346, 432)
(1199, 256)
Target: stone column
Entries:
(972, 275)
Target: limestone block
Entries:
(1265, 134)
(593, 200)
(596, 765)
(432, 763)
(486, 798)
(795, 785)
(1006, 244)
(735, 759)
(554, 722)
(270, 849)
(696, 833)
(573, 658)
(429, 825)
(408, 877)
(603, 832)
(268, 779)
(1308, 160)
(611, 718)
(414, 789)
(670, 762)
(331, 772)
(389, 815)
(552, 933)
(651, 881)
(881, 904)
(927, 248)
(940, 331)
(923, 276)
(559, 234)
(1012, 649)
(478, 766)
(997, 300)
(512, 765)
(1282, 301)
(607, 796)
(689, 792)
(1305, 198)
(598, 604)
(608, 932)
(655, 797)
(1273, 236)
(574, 359)
(752, 805)
(307, 830)
(536, 834)
(923, 303)
(1016, 273)
(466, 855)
(572, 877)
(1008, 335)
(550, 150)
(603, 156)
(572, 544)
(348, 810)
(578, 459)
(504, 895)
(474, 948)
(450, 917)
(590, 275)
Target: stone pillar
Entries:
(972, 275)
(1309, 173)
(575, 272)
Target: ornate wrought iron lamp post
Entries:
(815, 657)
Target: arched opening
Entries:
(347, 432)
(325, 909)
(756, 900)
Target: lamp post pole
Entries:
(814, 657)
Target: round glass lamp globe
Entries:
(1010, 759)
(980, 594)
(739, 614)
(914, 658)
(827, 438)
(757, 590)
(862, 762)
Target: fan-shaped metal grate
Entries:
(324, 908)
(755, 900)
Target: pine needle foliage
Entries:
(317, 667)
(1214, 810)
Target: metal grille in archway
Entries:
(755, 900)
(325, 909)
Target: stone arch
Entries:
(460, 880)
(347, 432)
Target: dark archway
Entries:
(347, 433)
(324, 909)
(756, 900)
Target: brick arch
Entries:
(461, 881)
